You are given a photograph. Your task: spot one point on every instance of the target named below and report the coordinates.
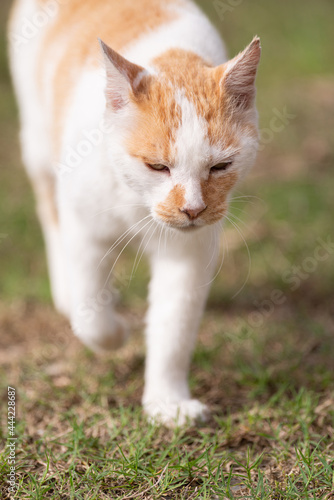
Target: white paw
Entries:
(102, 336)
(175, 414)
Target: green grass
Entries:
(265, 369)
(270, 435)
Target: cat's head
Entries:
(184, 132)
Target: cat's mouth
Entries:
(188, 227)
(184, 225)
(187, 224)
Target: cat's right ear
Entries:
(123, 78)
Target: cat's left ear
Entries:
(238, 79)
(123, 78)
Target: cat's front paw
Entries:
(175, 414)
(107, 333)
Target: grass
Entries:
(84, 436)
(264, 361)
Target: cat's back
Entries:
(54, 46)
(64, 33)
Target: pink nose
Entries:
(193, 213)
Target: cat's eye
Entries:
(158, 166)
(221, 166)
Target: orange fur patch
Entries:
(159, 115)
(197, 79)
(202, 86)
(214, 192)
(170, 210)
(158, 118)
(81, 22)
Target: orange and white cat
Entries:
(137, 138)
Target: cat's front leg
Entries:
(181, 276)
(92, 313)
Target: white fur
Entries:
(106, 192)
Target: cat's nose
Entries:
(193, 213)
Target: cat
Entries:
(135, 128)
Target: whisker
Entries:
(110, 272)
(220, 267)
(213, 243)
(247, 226)
(248, 252)
(134, 267)
(237, 208)
(166, 235)
(144, 249)
(160, 234)
(242, 195)
(120, 239)
(225, 239)
(237, 218)
(245, 199)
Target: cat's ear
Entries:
(239, 75)
(123, 78)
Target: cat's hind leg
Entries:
(37, 160)
(44, 188)
(37, 152)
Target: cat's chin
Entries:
(188, 229)
(185, 229)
